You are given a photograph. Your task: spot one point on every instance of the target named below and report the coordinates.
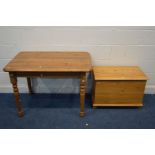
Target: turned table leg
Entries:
(29, 85)
(82, 93)
(13, 80)
(93, 89)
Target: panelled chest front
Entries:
(118, 86)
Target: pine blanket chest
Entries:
(118, 86)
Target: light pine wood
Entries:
(117, 105)
(120, 86)
(49, 64)
(119, 73)
(82, 93)
(13, 80)
(110, 90)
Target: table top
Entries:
(51, 61)
(118, 73)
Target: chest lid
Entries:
(118, 73)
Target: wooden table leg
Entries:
(93, 88)
(29, 85)
(82, 93)
(13, 80)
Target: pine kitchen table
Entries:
(49, 64)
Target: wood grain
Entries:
(119, 73)
(50, 62)
(13, 80)
(119, 99)
(82, 93)
(118, 86)
(49, 65)
(117, 105)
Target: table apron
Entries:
(49, 74)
